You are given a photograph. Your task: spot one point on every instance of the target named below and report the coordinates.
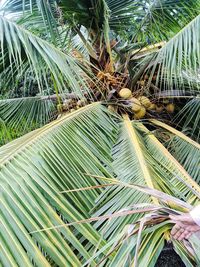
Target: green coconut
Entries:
(140, 114)
(170, 108)
(125, 93)
(135, 104)
(152, 106)
(145, 101)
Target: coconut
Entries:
(125, 93)
(136, 105)
(142, 83)
(111, 108)
(170, 108)
(159, 108)
(140, 114)
(152, 106)
(144, 101)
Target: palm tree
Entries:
(106, 163)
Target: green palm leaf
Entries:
(26, 113)
(130, 166)
(42, 12)
(184, 149)
(178, 59)
(189, 118)
(42, 57)
(139, 158)
(34, 169)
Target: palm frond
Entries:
(142, 241)
(184, 149)
(44, 14)
(34, 169)
(44, 59)
(139, 158)
(160, 20)
(130, 166)
(177, 176)
(178, 60)
(188, 118)
(26, 113)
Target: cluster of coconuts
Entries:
(142, 104)
(70, 105)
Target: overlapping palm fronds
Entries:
(34, 171)
(139, 158)
(177, 62)
(129, 247)
(44, 13)
(43, 58)
(22, 113)
(68, 154)
(141, 241)
(184, 149)
(188, 118)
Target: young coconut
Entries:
(142, 83)
(67, 104)
(83, 101)
(170, 108)
(136, 105)
(65, 107)
(111, 108)
(152, 106)
(125, 93)
(145, 101)
(140, 114)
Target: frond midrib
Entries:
(165, 152)
(134, 140)
(176, 132)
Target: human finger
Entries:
(188, 235)
(175, 229)
(178, 233)
(192, 228)
(183, 235)
(179, 224)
